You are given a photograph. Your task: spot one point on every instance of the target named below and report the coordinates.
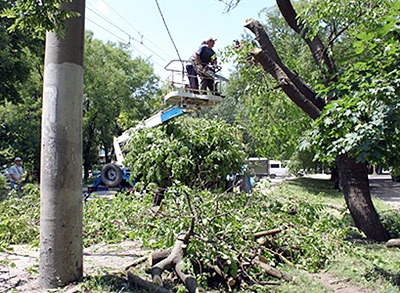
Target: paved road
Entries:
(384, 188)
(381, 186)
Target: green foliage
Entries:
(304, 159)
(364, 121)
(272, 123)
(19, 217)
(3, 185)
(119, 91)
(19, 55)
(186, 151)
(20, 133)
(391, 221)
(38, 16)
(108, 221)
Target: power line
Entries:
(129, 36)
(170, 36)
(141, 35)
(123, 41)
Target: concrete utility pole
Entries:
(61, 154)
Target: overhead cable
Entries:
(140, 34)
(123, 41)
(169, 34)
(129, 36)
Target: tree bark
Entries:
(135, 281)
(316, 47)
(274, 272)
(294, 88)
(354, 182)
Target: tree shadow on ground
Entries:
(106, 283)
(392, 278)
(117, 282)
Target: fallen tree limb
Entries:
(274, 272)
(157, 256)
(139, 282)
(189, 281)
(217, 270)
(266, 233)
(174, 260)
(136, 262)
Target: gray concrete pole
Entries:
(61, 155)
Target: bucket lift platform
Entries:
(181, 95)
(186, 100)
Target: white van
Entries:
(276, 168)
(264, 167)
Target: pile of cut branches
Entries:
(235, 240)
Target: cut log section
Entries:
(156, 256)
(274, 272)
(174, 260)
(393, 243)
(135, 281)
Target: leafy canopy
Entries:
(119, 91)
(189, 151)
(38, 16)
(363, 119)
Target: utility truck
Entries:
(263, 167)
(115, 175)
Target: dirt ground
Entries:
(23, 274)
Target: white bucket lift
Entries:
(184, 97)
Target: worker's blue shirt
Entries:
(205, 53)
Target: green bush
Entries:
(19, 217)
(391, 221)
(3, 186)
(188, 151)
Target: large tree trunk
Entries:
(353, 181)
(353, 176)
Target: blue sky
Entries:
(189, 22)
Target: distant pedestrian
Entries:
(16, 174)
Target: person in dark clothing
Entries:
(192, 72)
(203, 58)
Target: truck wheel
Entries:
(111, 175)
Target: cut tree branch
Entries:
(302, 95)
(135, 281)
(175, 261)
(274, 272)
(266, 233)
